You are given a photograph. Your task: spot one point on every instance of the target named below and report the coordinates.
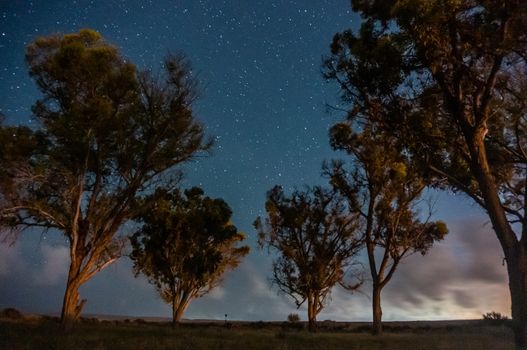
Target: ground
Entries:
(36, 332)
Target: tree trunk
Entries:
(72, 305)
(311, 315)
(178, 309)
(514, 249)
(377, 310)
(517, 269)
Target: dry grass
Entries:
(93, 335)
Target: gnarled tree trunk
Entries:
(517, 269)
(377, 310)
(72, 305)
(311, 314)
(178, 309)
(513, 248)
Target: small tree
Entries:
(384, 189)
(106, 134)
(314, 235)
(185, 245)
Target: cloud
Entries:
(457, 275)
(27, 282)
(116, 291)
(10, 260)
(247, 295)
(346, 306)
(484, 257)
(55, 264)
(461, 277)
(217, 293)
(464, 299)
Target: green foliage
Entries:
(17, 145)
(314, 235)
(186, 244)
(458, 75)
(384, 186)
(456, 107)
(105, 134)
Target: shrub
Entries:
(12, 313)
(495, 318)
(293, 318)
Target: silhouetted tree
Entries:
(385, 190)
(185, 245)
(449, 78)
(17, 143)
(106, 134)
(314, 234)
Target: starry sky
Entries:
(264, 102)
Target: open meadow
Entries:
(92, 334)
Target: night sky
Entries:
(263, 99)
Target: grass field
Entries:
(44, 334)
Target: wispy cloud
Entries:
(457, 274)
(54, 268)
(247, 295)
(461, 277)
(10, 262)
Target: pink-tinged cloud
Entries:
(462, 276)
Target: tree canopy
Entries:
(106, 133)
(185, 245)
(445, 78)
(315, 237)
(382, 186)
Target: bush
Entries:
(12, 313)
(293, 318)
(293, 323)
(495, 318)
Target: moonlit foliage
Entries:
(106, 134)
(185, 245)
(315, 236)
